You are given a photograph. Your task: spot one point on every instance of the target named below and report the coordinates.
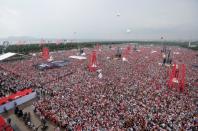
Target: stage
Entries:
(52, 64)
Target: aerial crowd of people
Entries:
(10, 83)
(130, 95)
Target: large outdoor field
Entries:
(130, 95)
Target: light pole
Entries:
(163, 46)
(5, 46)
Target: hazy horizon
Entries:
(100, 19)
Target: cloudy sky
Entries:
(100, 19)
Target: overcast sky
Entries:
(99, 19)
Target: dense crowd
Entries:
(10, 83)
(131, 95)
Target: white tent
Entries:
(7, 55)
(78, 57)
(153, 51)
(177, 53)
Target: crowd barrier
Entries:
(19, 101)
(14, 96)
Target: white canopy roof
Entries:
(6, 55)
(153, 51)
(78, 57)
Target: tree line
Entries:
(25, 49)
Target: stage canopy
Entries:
(6, 56)
(11, 56)
(52, 64)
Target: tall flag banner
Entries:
(92, 62)
(177, 77)
(126, 53)
(45, 53)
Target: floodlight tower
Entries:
(189, 44)
(75, 40)
(162, 43)
(5, 46)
